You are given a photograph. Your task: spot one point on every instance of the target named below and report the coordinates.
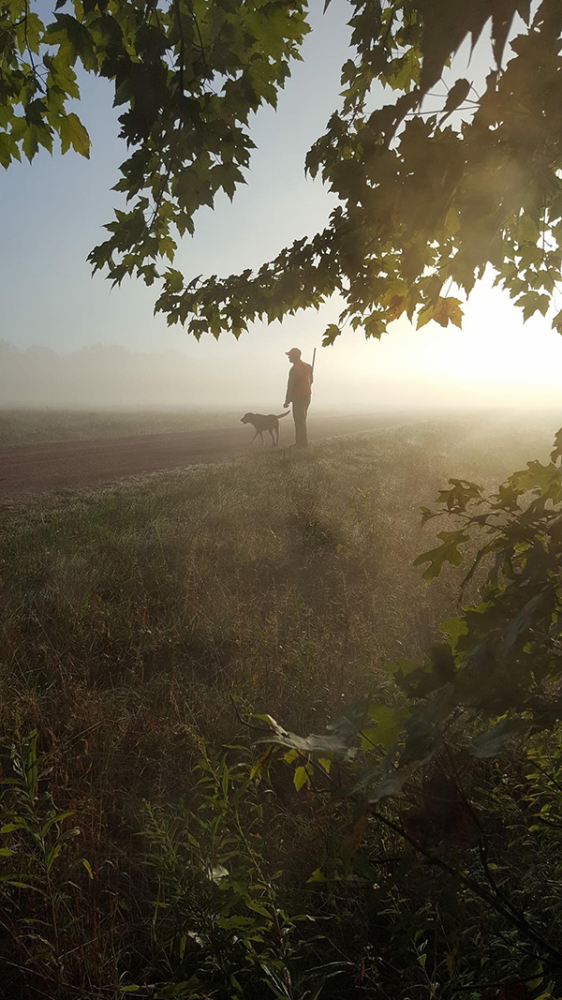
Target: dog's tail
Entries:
(279, 415)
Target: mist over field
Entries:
(251, 375)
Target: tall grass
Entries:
(133, 619)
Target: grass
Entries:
(132, 618)
(28, 426)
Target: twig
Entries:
(548, 822)
(506, 909)
(29, 52)
(182, 40)
(201, 46)
(547, 775)
(496, 986)
(248, 725)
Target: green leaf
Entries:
(533, 302)
(491, 743)
(74, 37)
(331, 333)
(317, 876)
(527, 229)
(538, 477)
(444, 311)
(523, 621)
(16, 883)
(30, 32)
(447, 552)
(88, 868)
(57, 818)
(403, 665)
(72, 133)
(454, 628)
(300, 778)
(557, 322)
(388, 724)
(235, 922)
(258, 907)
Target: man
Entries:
(299, 388)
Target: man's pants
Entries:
(300, 408)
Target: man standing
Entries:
(299, 388)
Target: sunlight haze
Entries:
(495, 359)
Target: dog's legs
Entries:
(261, 435)
(254, 437)
(272, 436)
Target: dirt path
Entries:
(36, 468)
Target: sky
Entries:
(52, 214)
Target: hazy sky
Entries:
(52, 213)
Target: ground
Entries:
(141, 621)
(36, 458)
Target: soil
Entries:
(37, 468)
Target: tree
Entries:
(428, 198)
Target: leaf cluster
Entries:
(34, 836)
(218, 914)
(428, 199)
(188, 75)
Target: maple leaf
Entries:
(557, 322)
(73, 133)
(444, 311)
(331, 333)
(395, 307)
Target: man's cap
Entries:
(294, 351)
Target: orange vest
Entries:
(300, 381)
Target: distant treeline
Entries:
(103, 376)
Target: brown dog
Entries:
(262, 422)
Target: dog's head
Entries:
(247, 418)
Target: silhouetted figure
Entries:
(264, 422)
(299, 388)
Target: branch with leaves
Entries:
(432, 191)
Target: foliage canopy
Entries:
(430, 193)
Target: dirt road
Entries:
(36, 468)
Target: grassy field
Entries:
(139, 625)
(27, 426)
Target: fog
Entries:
(249, 375)
(495, 361)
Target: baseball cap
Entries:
(294, 351)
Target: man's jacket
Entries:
(300, 381)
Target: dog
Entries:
(262, 422)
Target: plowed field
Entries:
(35, 468)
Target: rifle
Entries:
(313, 360)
